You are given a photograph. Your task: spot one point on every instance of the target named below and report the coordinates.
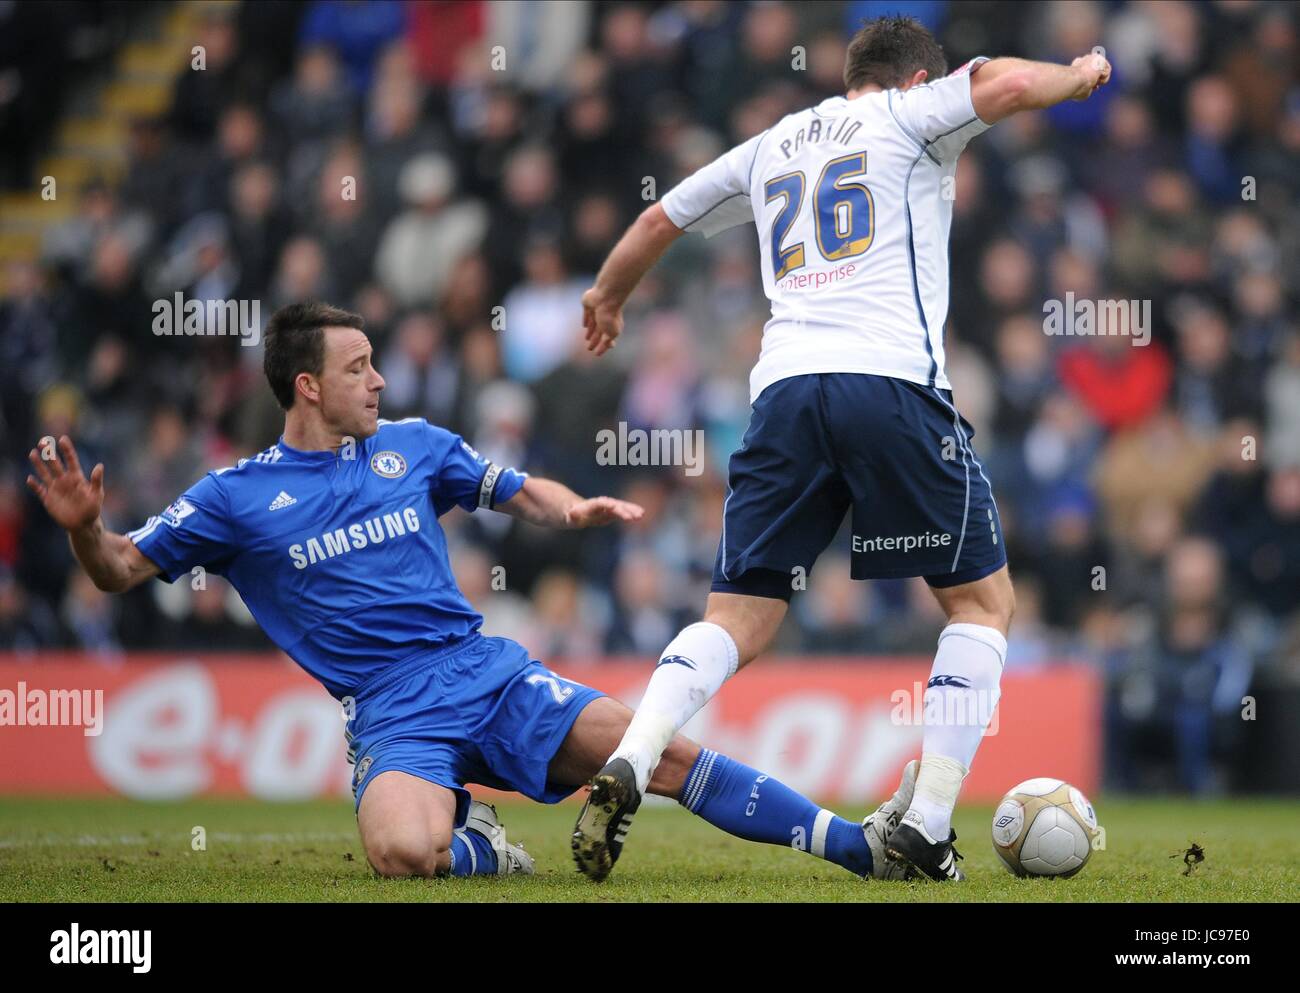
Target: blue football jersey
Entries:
(339, 556)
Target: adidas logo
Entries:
(624, 824)
(282, 501)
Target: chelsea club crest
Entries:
(362, 768)
(390, 465)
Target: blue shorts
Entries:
(479, 711)
(897, 454)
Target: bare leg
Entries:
(752, 621)
(595, 734)
(989, 601)
(406, 824)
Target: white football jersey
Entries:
(853, 203)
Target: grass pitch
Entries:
(123, 851)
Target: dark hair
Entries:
(295, 342)
(887, 52)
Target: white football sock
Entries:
(959, 703)
(690, 671)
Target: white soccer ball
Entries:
(1044, 827)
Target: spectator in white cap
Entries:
(423, 244)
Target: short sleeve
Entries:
(940, 116)
(196, 530)
(715, 197)
(466, 479)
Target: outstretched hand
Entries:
(601, 510)
(603, 323)
(66, 494)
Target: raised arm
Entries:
(639, 249)
(111, 560)
(554, 505)
(1002, 87)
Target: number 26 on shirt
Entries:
(844, 214)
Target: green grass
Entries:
(121, 850)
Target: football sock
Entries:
(472, 854)
(744, 802)
(691, 670)
(959, 702)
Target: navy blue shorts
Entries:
(897, 454)
(479, 711)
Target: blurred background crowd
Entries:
(1150, 495)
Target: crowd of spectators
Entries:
(1150, 494)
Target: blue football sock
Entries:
(744, 802)
(472, 854)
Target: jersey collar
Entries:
(298, 455)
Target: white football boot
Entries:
(880, 825)
(511, 859)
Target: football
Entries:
(1044, 827)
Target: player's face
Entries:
(349, 384)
